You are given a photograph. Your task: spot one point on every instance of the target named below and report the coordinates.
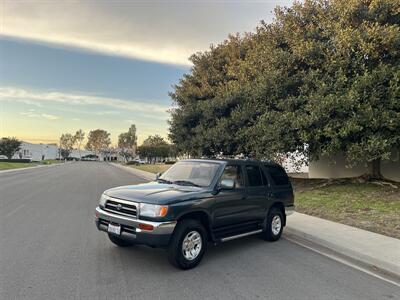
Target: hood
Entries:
(154, 192)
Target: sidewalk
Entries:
(370, 249)
(143, 174)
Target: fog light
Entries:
(147, 227)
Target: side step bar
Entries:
(234, 237)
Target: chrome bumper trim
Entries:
(159, 227)
(229, 238)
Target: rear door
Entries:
(256, 188)
(281, 188)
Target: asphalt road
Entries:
(50, 249)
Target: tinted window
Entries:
(195, 172)
(264, 179)
(234, 173)
(254, 175)
(278, 175)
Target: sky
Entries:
(86, 65)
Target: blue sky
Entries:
(87, 64)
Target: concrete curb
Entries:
(375, 251)
(137, 172)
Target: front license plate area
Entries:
(114, 229)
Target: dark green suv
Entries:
(198, 201)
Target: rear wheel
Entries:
(187, 245)
(273, 226)
(118, 241)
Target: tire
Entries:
(273, 226)
(188, 230)
(119, 242)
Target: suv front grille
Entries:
(122, 207)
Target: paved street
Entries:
(50, 249)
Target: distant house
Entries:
(336, 167)
(36, 152)
(39, 152)
(75, 153)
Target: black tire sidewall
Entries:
(269, 235)
(175, 254)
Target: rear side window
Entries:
(278, 175)
(254, 176)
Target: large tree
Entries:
(127, 142)
(154, 147)
(207, 99)
(67, 142)
(79, 137)
(8, 146)
(98, 141)
(323, 78)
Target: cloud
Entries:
(32, 114)
(29, 114)
(50, 117)
(155, 111)
(134, 29)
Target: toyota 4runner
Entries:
(198, 201)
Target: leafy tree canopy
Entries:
(155, 146)
(127, 142)
(325, 74)
(98, 140)
(67, 142)
(8, 146)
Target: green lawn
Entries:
(368, 206)
(51, 161)
(15, 165)
(157, 168)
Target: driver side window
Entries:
(235, 173)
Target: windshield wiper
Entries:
(164, 181)
(185, 182)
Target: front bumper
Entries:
(130, 231)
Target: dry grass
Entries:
(15, 165)
(156, 168)
(366, 205)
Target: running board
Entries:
(234, 237)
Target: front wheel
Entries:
(273, 226)
(187, 245)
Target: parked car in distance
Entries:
(197, 201)
(137, 162)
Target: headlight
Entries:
(103, 200)
(151, 210)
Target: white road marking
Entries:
(343, 261)
(15, 210)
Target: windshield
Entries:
(190, 173)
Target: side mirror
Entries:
(158, 175)
(227, 184)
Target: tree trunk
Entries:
(374, 169)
